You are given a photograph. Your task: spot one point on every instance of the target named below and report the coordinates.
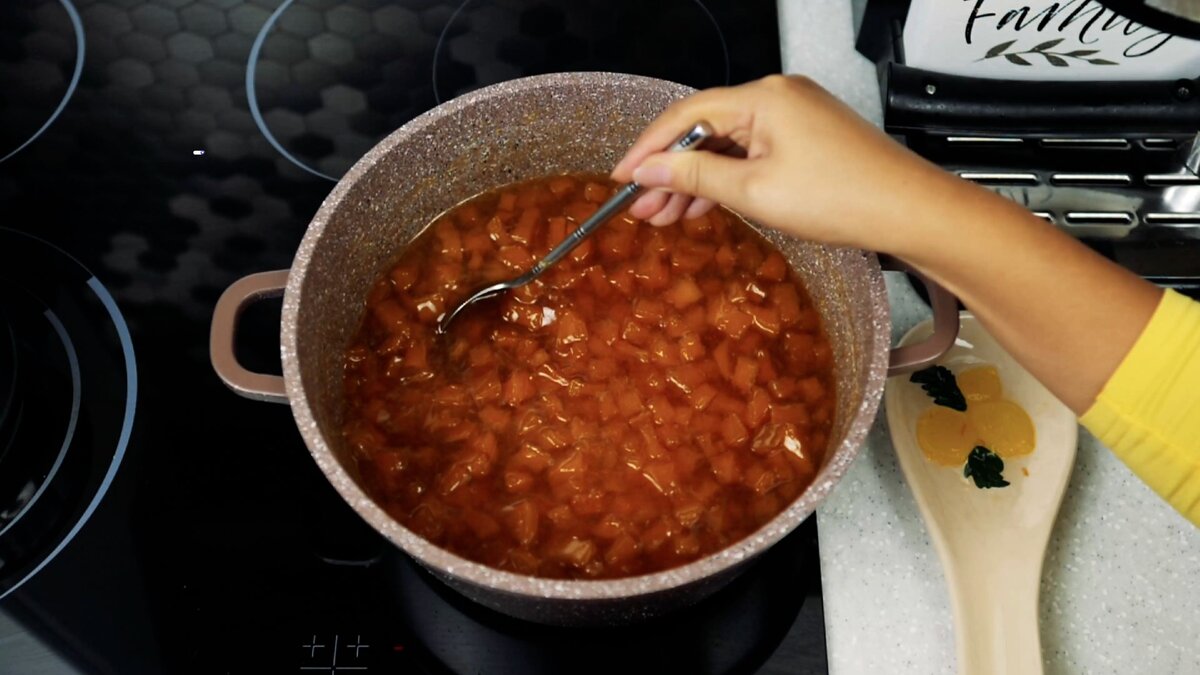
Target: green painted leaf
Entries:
(941, 385)
(1017, 60)
(1047, 45)
(1102, 62)
(985, 468)
(998, 49)
(1082, 52)
(1056, 61)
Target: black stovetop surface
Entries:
(151, 153)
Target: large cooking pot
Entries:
(515, 130)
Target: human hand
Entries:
(791, 156)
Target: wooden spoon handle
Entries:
(996, 616)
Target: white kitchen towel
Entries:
(1042, 40)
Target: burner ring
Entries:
(42, 522)
(80, 44)
(72, 421)
(252, 95)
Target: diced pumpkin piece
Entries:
(556, 231)
(661, 475)
(811, 389)
(745, 372)
(765, 318)
(450, 241)
(622, 552)
(522, 520)
(390, 315)
(786, 298)
(629, 402)
(795, 413)
(652, 273)
(648, 310)
(691, 257)
(516, 258)
(596, 193)
(661, 409)
(525, 230)
(518, 482)
(530, 459)
(571, 328)
(773, 268)
(758, 408)
(684, 293)
(691, 347)
(580, 211)
(497, 231)
(702, 396)
(725, 468)
(518, 388)
(726, 317)
(726, 259)
(733, 431)
(723, 355)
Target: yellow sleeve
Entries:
(1149, 411)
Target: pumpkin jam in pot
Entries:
(654, 398)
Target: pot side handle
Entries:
(945, 324)
(248, 289)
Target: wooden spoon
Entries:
(991, 541)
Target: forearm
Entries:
(1067, 314)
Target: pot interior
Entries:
(514, 131)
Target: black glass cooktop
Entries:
(153, 152)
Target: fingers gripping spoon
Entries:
(689, 140)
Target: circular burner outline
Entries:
(131, 392)
(261, 38)
(80, 44)
(437, 49)
(252, 97)
(76, 396)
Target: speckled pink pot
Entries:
(515, 130)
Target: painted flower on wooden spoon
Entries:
(971, 424)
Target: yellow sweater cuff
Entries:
(1149, 411)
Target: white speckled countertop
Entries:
(1121, 583)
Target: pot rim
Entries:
(435, 557)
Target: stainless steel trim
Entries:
(1044, 215)
(999, 178)
(1169, 179)
(1188, 220)
(1115, 179)
(1076, 218)
(984, 140)
(1160, 143)
(1107, 143)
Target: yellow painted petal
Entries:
(1004, 427)
(946, 436)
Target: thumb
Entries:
(696, 173)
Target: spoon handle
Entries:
(689, 140)
(996, 621)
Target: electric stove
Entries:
(150, 154)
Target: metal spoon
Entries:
(687, 141)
